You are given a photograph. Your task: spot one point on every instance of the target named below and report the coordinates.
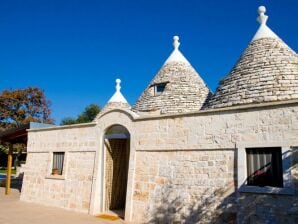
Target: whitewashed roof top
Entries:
(118, 97)
(263, 31)
(176, 55)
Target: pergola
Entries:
(11, 137)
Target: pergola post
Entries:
(13, 136)
(9, 164)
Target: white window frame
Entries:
(286, 150)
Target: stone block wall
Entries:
(182, 159)
(182, 168)
(218, 130)
(185, 187)
(71, 190)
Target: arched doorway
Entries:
(116, 159)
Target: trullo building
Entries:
(181, 154)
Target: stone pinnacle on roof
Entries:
(118, 97)
(264, 30)
(117, 101)
(176, 55)
(266, 71)
(176, 88)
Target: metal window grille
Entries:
(58, 160)
(264, 167)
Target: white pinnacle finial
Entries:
(264, 31)
(262, 18)
(118, 97)
(176, 42)
(118, 87)
(176, 54)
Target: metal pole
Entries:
(9, 164)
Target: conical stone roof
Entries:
(176, 88)
(266, 71)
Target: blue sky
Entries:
(75, 50)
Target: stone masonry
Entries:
(266, 71)
(72, 190)
(184, 169)
(185, 91)
(179, 186)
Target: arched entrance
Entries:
(116, 159)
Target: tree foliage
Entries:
(86, 116)
(21, 106)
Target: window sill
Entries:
(55, 177)
(266, 190)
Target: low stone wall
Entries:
(71, 190)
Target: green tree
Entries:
(86, 116)
(68, 121)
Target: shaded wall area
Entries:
(200, 187)
(271, 208)
(185, 187)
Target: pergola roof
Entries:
(15, 135)
(20, 134)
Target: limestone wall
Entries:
(185, 165)
(72, 190)
(218, 130)
(184, 186)
(182, 167)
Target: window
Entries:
(58, 160)
(264, 167)
(159, 88)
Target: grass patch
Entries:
(4, 171)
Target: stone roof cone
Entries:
(266, 71)
(176, 88)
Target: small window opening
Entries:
(159, 88)
(58, 160)
(264, 167)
